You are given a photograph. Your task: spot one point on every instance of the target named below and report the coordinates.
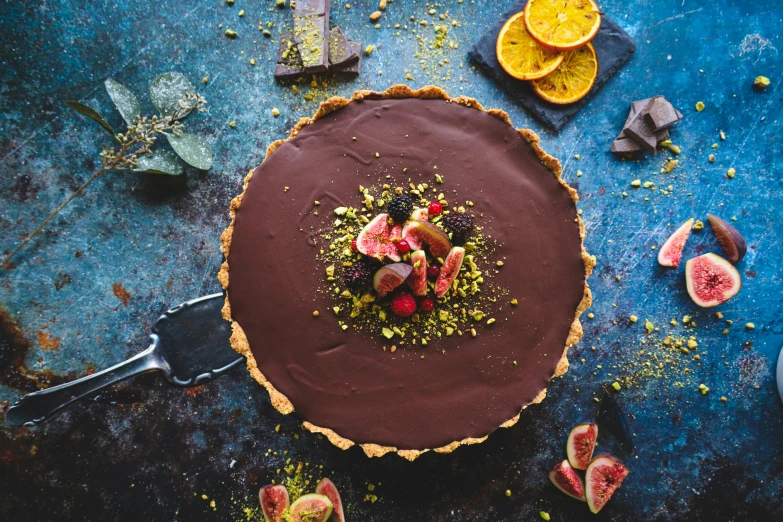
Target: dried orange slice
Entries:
(572, 80)
(562, 25)
(520, 55)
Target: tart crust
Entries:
(239, 340)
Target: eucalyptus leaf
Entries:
(90, 113)
(193, 149)
(124, 100)
(167, 89)
(159, 162)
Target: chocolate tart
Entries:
(342, 383)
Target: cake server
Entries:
(189, 345)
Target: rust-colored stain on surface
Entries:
(121, 294)
(47, 341)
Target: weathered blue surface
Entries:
(150, 451)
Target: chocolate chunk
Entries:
(661, 135)
(351, 68)
(288, 52)
(624, 144)
(284, 72)
(304, 8)
(678, 113)
(661, 114)
(340, 50)
(641, 131)
(312, 39)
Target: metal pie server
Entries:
(190, 346)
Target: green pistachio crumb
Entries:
(636, 183)
(368, 50)
(508, 492)
(231, 34)
(686, 318)
(491, 320)
(316, 313)
(591, 315)
(616, 386)
(704, 389)
(544, 515)
(514, 302)
(698, 226)
(336, 310)
(242, 12)
(633, 318)
(279, 3)
(699, 106)
(761, 82)
(723, 399)
(750, 326)
(731, 172)
(649, 326)
(275, 112)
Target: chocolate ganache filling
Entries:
(464, 387)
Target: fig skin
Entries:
(566, 480)
(327, 488)
(417, 279)
(311, 508)
(449, 271)
(729, 238)
(422, 231)
(603, 477)
(581, 445)
(711, 280)
(670, 253)
(418, 214)
(378, 239)
(274, 501)
(390, 277)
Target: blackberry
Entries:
(360, 273)
(400, 208)
(460, 225)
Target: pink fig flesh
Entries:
(419, 214)
(418, 278)
(390, 277)
(581, 444)
(729, 238)
(379, 239)
(274, 501)
(671, 251)
(311, 508)
(327, 488)
(449, 271)
(603, 477)
(711, 280)
(565, 478)
(422, 231)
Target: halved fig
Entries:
(565, 478)
(274, 502)
(418, 278)
(602, 478)
(671, 251)
(418, 214)
(390, 277)
(449, 271)
(378, 239)
(432, 236)
(729, 238)
(327, 488)
(581, 444)
(311, 508)
(711, 280)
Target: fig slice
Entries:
(390, 277)
(274, 502)
(422, 231)
(449, 271)
(729, 238)
(378, 239)
(565, 478)
(311, 508)
(417, 280)
(581, 444)
(327, 488)
(711, 280)
(418, 214)
(603, 477)
(671, 251)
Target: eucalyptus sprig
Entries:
(175, 98)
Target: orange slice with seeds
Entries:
(562, 25)
(572, 80)
(520, 55)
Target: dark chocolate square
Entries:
(312, 38)
(613, 46)
(340, 50)
(624, 144)
(351, 68)
(661, 114)
(641, 131)
(288, 52)
(284, 72)
(303, 8)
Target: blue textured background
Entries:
(150, 451)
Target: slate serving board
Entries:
(612, 45)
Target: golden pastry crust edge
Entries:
(240, 343)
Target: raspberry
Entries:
(435, 209)
(403, 304)
(433, 271)
(403, 246)
(427, 304)
(353, 246)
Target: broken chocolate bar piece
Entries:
(340, 50)
(286, 72)
(304, 8)
(624, 144)
(351, 68)
(288, 52)
(641, 131)
(661, 114)
(312, 39)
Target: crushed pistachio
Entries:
(761, 82)
(633, 318)
(275, 112)
(316, 313)
(242, 12)
(649, 326)
(704, 389)
(750, 326)
(591, 315)
(514, 302)
(616, 386)
(231, 34)
(698, 226)
(508, 492)
(731, 172)
(368, 50)
(636, 183)
(544, 514)
(375, 16)
(699, 106)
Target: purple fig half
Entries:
(422, 231)
(379, 239)
(581, 444)
(449, 271)
(418, 278)
(390, 277)
(711, 280)
(274, 502)
(671, 251)
(327, 488)
(311, 508)
(729, 238)
(603, 477)
(566, 480)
